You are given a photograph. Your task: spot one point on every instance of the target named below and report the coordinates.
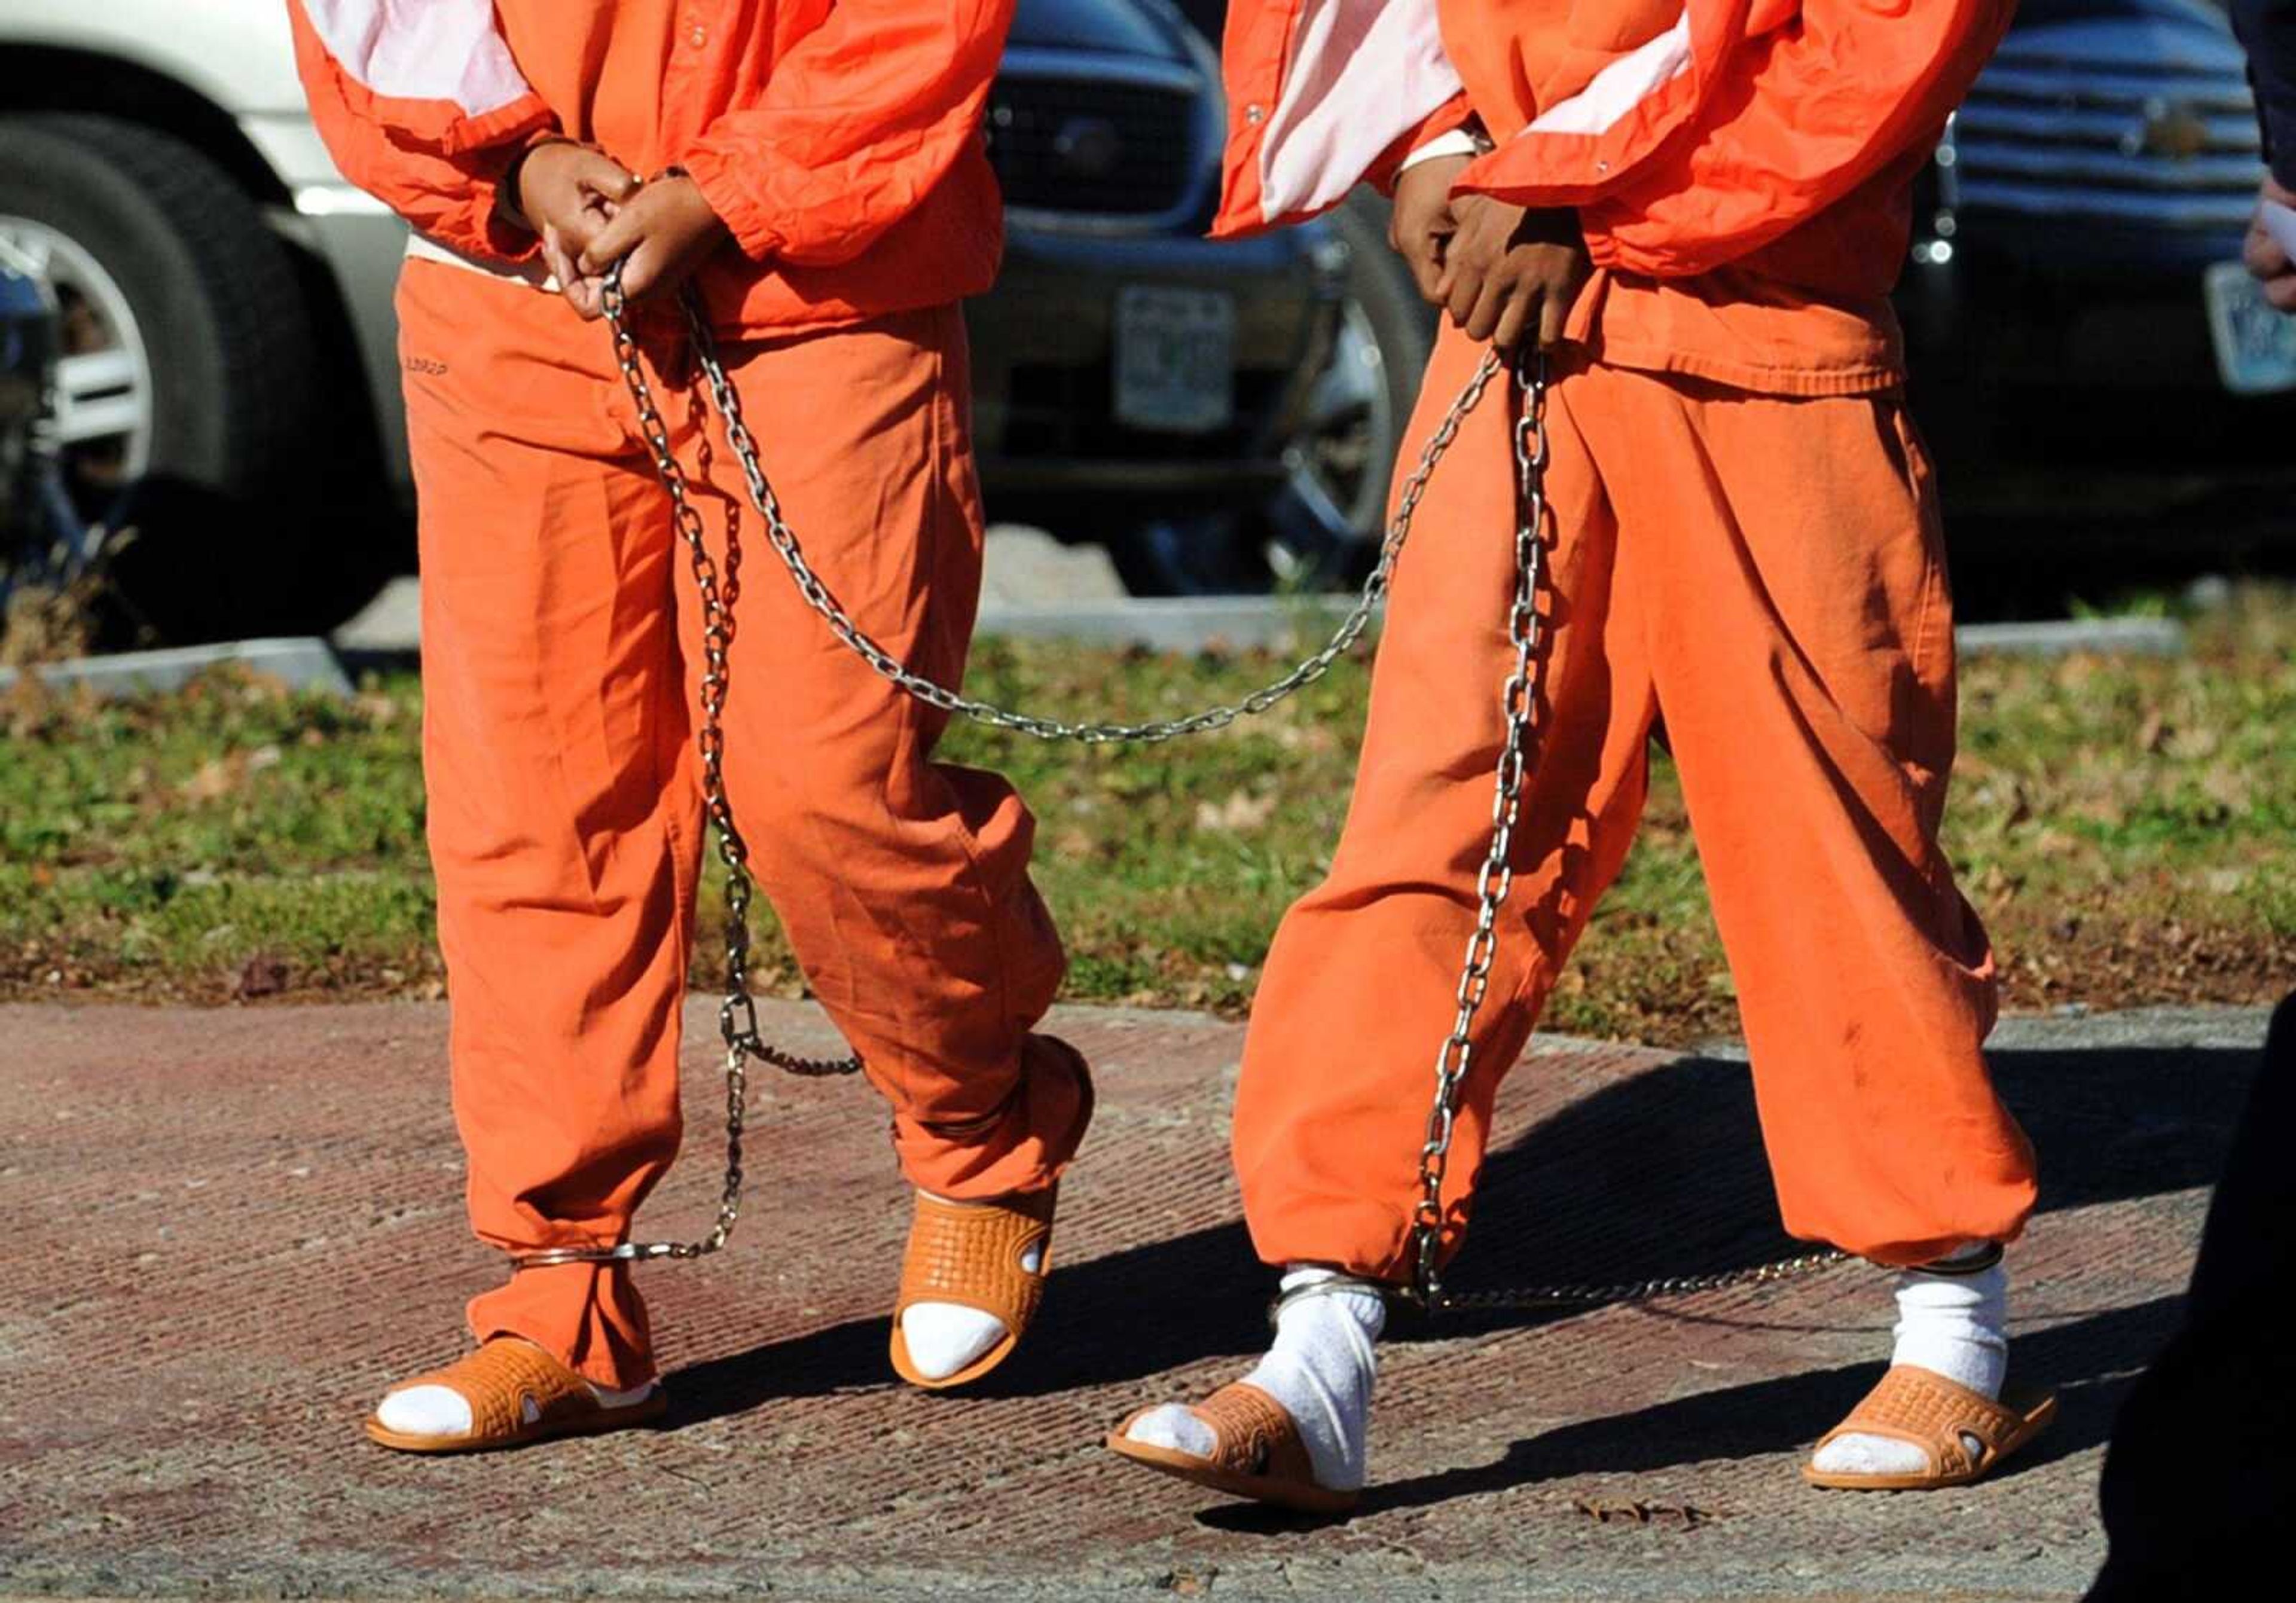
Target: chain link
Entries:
(737, 1016)
(1493, 883)
(1580, 1294)
(1090, 733)
(1496, 878)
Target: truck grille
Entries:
(2146, 130)
(1102, 149)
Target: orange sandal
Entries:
(1917, 1406)
(972, 1253)
(517, 1393)
(1257, 1453)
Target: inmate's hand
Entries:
(1507, 270)
(659, 235)
(570, 190)
(1421, 221)
(2267, 257)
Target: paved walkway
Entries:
(228, 1230)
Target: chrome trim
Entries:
(2053, 135)
(1043, 64)
(2090, 170)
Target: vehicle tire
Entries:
(1401, 326)
(192, 414)
(1322, 531)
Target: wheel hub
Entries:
(105, 403)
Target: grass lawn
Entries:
(2128, 827)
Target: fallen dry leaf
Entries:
(217, 778)
(1239, 813)
(260, 976)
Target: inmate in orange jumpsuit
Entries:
(1744, 540)
(561, 631)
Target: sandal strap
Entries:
(1922, 1408)
(970, 1253)
(501, 1376)
(1254, 1435)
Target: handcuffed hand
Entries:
(1420, 221)
(569, 188)
(659, 235)
(1507, 270)
(2268, 260)
(567, 193)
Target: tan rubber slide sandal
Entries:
(1943, 1418)
(518, 1394)
(1257, 1453)
(974, 1254)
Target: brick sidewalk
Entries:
(229, 1230)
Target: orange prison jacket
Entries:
(840, 143)
(1742, 168)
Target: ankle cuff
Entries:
(1974, 1259)
(1336, 1285)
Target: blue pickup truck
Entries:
(2089, 359)
(2075, 300)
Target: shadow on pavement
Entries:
(1658, 1173)
(2089, 1362)
(1664, 1173)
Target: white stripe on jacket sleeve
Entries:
(1363, 74)
(1621, 87)
(447, 50)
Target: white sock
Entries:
(1953, 1325)
(1321, 1369)
(441, 1410)
(943, 1337)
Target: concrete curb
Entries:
(1294, 622)
(1237, 623)
(2110, 636)
(303, 663)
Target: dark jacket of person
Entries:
(2267, 29)
(2199, 1481)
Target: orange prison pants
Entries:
(1766, 573)
(561, 641)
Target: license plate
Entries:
(1174, 359)
(2256, 344)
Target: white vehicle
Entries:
(217, 281)
(1221, 415)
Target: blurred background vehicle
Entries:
(27, 340)
(2100, 378)
(2100, 174)
(226, 381)
(28, 484)
(2105, 388)
(1222, 416)
(50, 558)
(2095, 372)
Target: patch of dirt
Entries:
(2106, 965)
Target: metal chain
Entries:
(1496, 878)
(819, 596)
(737, 1016)
(1493, 882)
